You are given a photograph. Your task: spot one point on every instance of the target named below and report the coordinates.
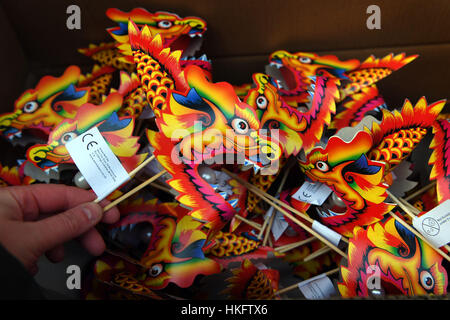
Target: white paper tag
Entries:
(435, 224)
(317, 288)
(97, 163)
(326, 232)
(313, 193)
(279, 225)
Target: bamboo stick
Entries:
(250, 223)
(132, 173)
(266, 199)
(134, 190)
(292, 287)
(409, 210)
(420, 191)
(316, 254)
(280, 188)
(290, 246)
(418, 235)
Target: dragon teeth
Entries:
(233, 202)
(224, 195)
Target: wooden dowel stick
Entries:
(400, 204)
(264, 196)
(288, 215)
(269, 227)
(261, 232)
(418, 235)
(250, 223)
(292, 287)
(420, 191)
(273, 199)
(142, 165)
(294, 245)
(160, 187)
(134, 190)
(280, 188)
(413, 213)
(316, 254)
(413, 209)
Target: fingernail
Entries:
(87, 212)
(90, 212)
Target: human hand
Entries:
(40, 218)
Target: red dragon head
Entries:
(355, 170)
(357, 180)
(297, 129)
(116, 131)
(388, 259)
(50, 102)
(200, 123)
(166, 241)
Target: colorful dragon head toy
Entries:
(167, 243)
(199, 122)
(50, 102)
(295, 70)
(388, 259)
(116, 131)
(297, 130)
(176, 32)
(355, 169)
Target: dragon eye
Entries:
(155, 270)
(164, 24)
(322, 166)
(30, 107)
(240, 126)
(68, 137)
(304, 59)
(261, 102)
(426, 279)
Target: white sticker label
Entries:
(279, 225)
(326, 232)
(97, 163)
(313, 193)
(435, 224)
(317, 288)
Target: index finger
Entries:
(39, 199)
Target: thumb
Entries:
(67, 225)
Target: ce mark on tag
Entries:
(88, 140)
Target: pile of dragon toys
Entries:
(301, 184)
